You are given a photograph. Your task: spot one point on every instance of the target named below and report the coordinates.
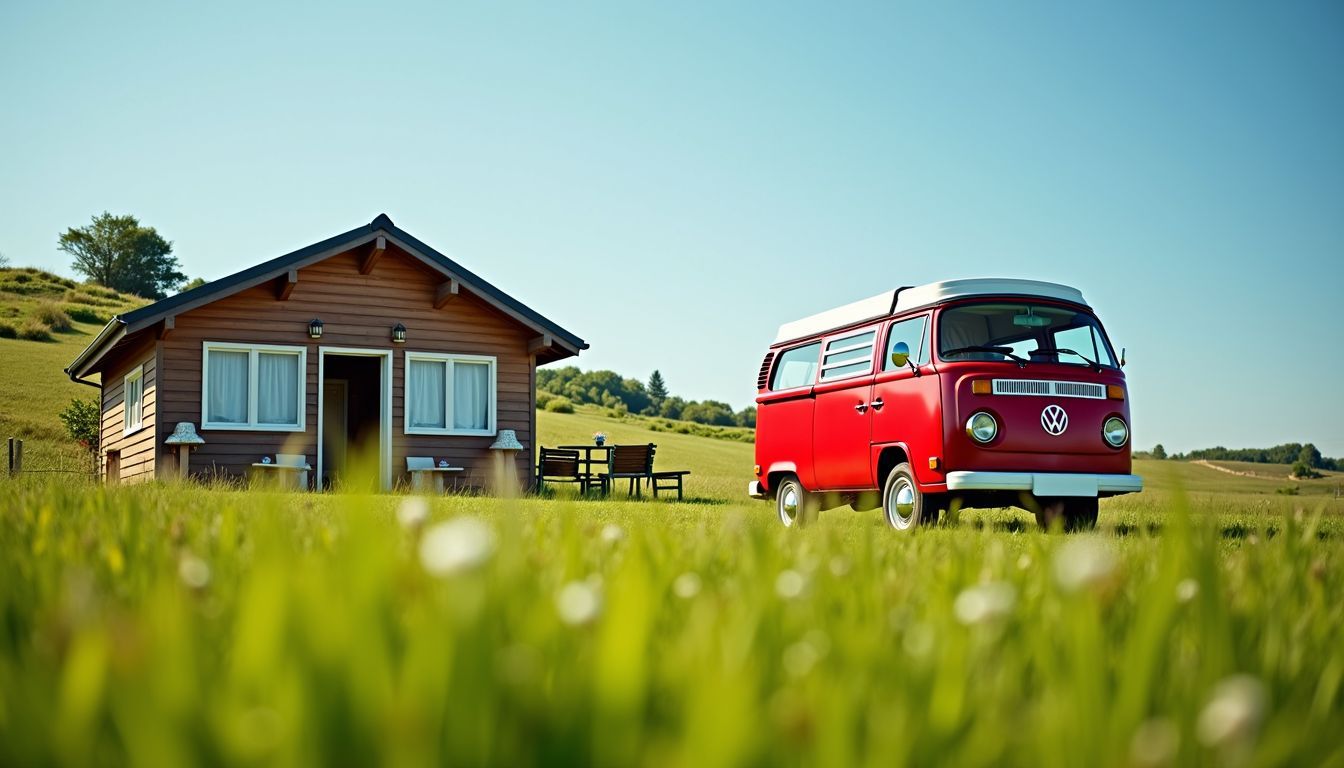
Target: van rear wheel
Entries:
(796, 505)
(902, 503)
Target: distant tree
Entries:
(1310, 456)
(4, 262)
(747, 417)
(709, 412)
(120, 254)
(1159, 452)
(657, 388)
(671, 408)
(195, 283)
(1303, 470)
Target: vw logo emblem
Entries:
(1054, 420)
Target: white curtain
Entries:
(425, 393)
(228, 387)
(471, 395)
(277, 389)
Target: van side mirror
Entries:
(900, 354)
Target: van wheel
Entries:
(796, 505)
(1074, 513)
(902, 503)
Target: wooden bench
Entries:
(667, 481)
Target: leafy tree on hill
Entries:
(611, 390)
(4, 262)
(1159, 452)
(196, 282)
(119, 253)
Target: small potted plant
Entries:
(600, 438)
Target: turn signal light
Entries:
(933, 462)
(1115, 392)
(981, 387)
(756, 469)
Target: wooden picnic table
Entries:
(586, 460)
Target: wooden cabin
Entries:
(369, 344)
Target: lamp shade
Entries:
(506, 440)
(315, 328)
(399, 333)
(184, 434)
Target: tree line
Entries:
(1288, 453)
(611, 390)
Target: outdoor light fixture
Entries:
(399, 333)
(315, 329)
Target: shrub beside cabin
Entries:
(243, 360)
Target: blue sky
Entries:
(673, 183)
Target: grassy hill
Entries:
(45, 321)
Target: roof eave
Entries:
(84, 362)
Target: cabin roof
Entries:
(908, 298)
(559, 343)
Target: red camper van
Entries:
(980, 393)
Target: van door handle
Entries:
(861, 407)
(877, 404)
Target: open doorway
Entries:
(353, 420)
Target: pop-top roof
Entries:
(905, 299)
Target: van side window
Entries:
(796, 367)
(912, 333)
(848, 356)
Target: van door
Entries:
(907, 408)
(840, 449)
(784, 413)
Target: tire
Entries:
(795, 505)
(1074, 513)
(903, 506)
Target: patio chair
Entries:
(561, 465)
(629, 462)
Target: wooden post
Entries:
(15, 457)
(183, 451)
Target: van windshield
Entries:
(1022, 332)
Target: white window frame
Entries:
(826, 352)
(129, 425)
(253, 349)
(449, 359)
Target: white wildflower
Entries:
(1187, 590)
(412, 512)
(1083, 563)
(193, 571)
(1232, 716)
(1023, 562)
(612, 533)
(687, 585)
(984, 603)
(1154, 743)
(578, 602)
(789, 584)
(460, 544)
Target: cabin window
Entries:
(133, 395)
(449, 394)
(253, 387)
(848, 356)
(912, 333)
(796, 367)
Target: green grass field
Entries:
(180, 625)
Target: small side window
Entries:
(848, 356)
(911, 332)
(796, 367)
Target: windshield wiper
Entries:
(1096, 367)
(1005, 351)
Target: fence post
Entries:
(15, 457)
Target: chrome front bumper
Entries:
(1045, 483)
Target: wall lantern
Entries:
(399, 333)
(315, 329)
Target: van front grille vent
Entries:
(1048, 388)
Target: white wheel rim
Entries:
(788, 505)
(901, 504)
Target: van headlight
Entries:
(982, 427)
(1115, 432)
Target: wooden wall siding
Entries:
(357, 311)
(137, 449)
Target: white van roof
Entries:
(903, 299)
